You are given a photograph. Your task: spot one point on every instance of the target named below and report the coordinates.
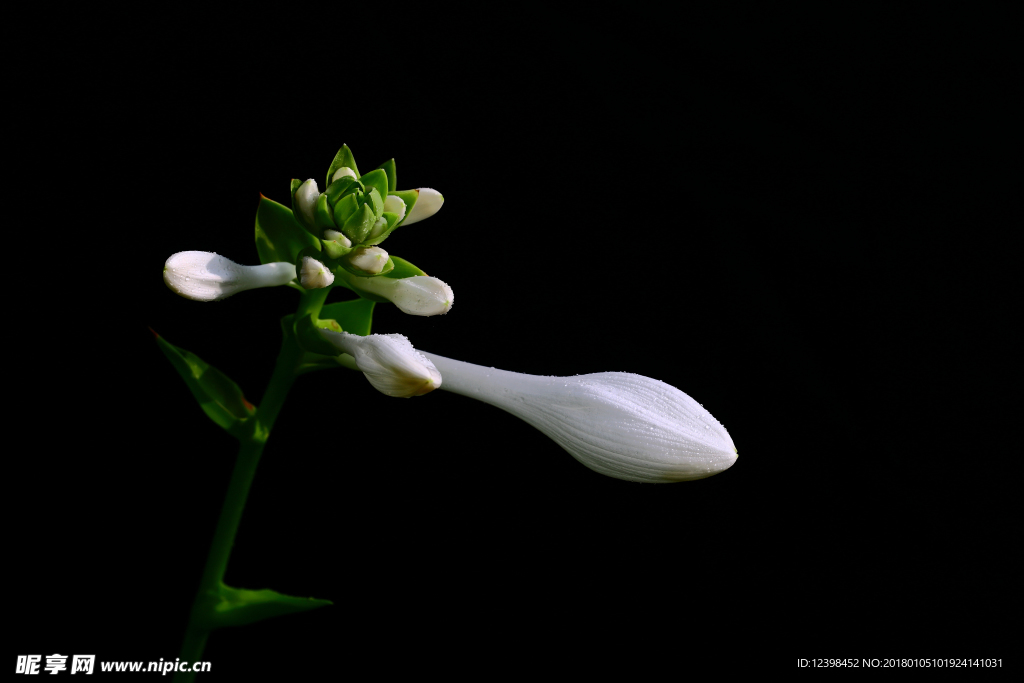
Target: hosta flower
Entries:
(389, 361)
(623, 425)
(417, 295)
(204, 276)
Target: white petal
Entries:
(314, 275)
(394, 204)
(369, 259)
(619, 424)
(427, 204)
(389, 361)
(342, 172)
(417, 295)
(205, 276)
(305, 200)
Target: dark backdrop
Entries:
(731, 207)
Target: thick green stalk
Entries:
(249, 451)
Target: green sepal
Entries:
(218, 396)
(389, 169)
(346, 207)
(354, 316)
(349, 268)
(374, 199)
(403, 269)
(334, 250)
(342, 158)
(359, 224)
(324, 219)
(295, 185)
(279, 237)
(377, 178)
(308, 336)
(392, 219)
(340, 187)
(238, 606)
(409, 197)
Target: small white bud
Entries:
(394, 204)
(389, 361)
(205, 276)
(417, 295)
(427, 204)
(305, 200)
(335, 236)
(314, 275)
(368, 259)
(342, 172)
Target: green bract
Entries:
(364, 209)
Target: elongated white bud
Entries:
(417, 295)
(427, 204)
(305, 200)
(205, 276)
(619, 424)
(335, 236)
(389, 361)
(314, 275)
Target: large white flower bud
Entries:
(619, 424)
(417, 295)
(427, 204)
(205, 276)
(305, 200)
(389, 361)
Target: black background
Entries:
(735, 207)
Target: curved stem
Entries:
(250, 449)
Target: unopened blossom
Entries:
(389, 361)
(619, 424)
(205, 276)
(417, 295)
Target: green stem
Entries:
(250, 449)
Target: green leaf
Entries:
(218, 396)
(403, 269)
(339, 187)
(389, 168)
(377, 203)
(342, 158)
(345, 207)
(359, 224)
(355, 316)
(279, 237)
(324, 219)
(378, 179)
(392, 219)
(409, 197)
(238, 606)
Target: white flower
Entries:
(204, 276)
(428, 202)
(619, 424)
(314, 275)
(417, 295)
(389, 361)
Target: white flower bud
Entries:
(389, 361)
(314, 275)
(342, 172)
(335, 236)
(204, 276)
(305, 200)
(619, 424)
(417, 295)
(427, 204)
(394, 204)
(369, 259)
